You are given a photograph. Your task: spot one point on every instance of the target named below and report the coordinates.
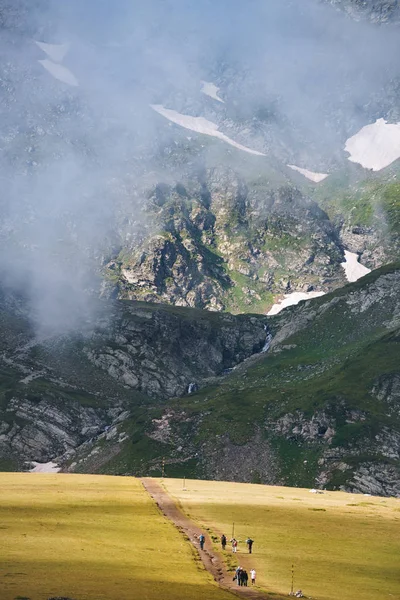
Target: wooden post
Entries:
(162, 468)
(291, 589)
(233, 530)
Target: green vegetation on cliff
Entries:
(321, 408)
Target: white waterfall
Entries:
(268, 340)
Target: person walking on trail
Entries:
(238, 575)
(234, 545)
(202, 539)
(223, 541)
(250, 543)
(245, 577)
(253, 576)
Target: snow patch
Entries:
(292, 300)
(59, 72)
(54, 51)
(311, 175)
(375, 146)
(199, 125)
(209, 89)
(49, 467)
(352, 268)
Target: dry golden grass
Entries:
(343, 546)
(92, 538)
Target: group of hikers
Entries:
(234, 542)
(241, 576)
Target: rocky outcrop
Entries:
(59, 394)
(253, 462)
(366, 242)
(379, 300)
(161, 351)
(40, 429)
(225, 242)
(315, 411)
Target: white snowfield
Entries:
(292, 299)
(59, 72)
(375, 146)
(49, 467)
(210, 89)
(353, 269)
(311, 175)
(54, 51)
(199, 125)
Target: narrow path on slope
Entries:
(211, 559)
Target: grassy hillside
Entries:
(366, 201)
(321, 408)
(343, 547)
(314, 399)
(92, 538)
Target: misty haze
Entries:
(81, 147)
(200, 297)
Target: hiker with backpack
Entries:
(249, 543)
(238, 576)
(202, 539)
(223, 541)
(234, 544)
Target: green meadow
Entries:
(92, 538)
(343, 546)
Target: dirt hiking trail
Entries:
(211, 559)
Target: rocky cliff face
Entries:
(224, 243)
(161, 351)
(59, 393)
(311, 401)
(320, 409)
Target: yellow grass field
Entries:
(343, 546)
(92, 538)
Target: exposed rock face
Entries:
(366, 243)
(292, 426)
(161, 351)
(320, 409)
(254, 462)
(379, 300)
(316, 411)
(61, 393)
(39, 429)
(226, 243)
(387, 389)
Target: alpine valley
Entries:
(200, 241)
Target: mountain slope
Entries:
(320, 409)
(97, 182)
(226, 241)
(59, 392)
